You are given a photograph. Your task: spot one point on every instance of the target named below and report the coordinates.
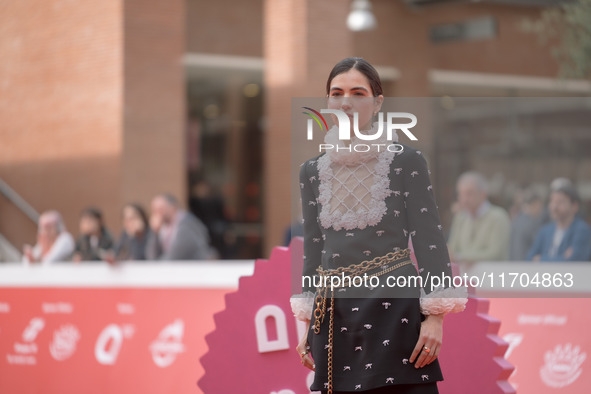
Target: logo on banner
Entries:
(562, 365)
(169, 344)
(32, 330)
(26, 350)
(109, 341)
(64, 342)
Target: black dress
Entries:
(357, 207)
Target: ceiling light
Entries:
(361, 18)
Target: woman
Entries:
(136, 231)
(54, 242)
(359, 206)
(95, 241)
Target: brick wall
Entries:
(154, 100)
(92, 93)
(227, 27)
(91, 102)
(402, 40)
(60, 105)
(300, 50)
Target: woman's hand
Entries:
(156, 222)
(108, 256)
(28, 252)
(430, 337)
(302, 348)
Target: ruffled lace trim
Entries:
(363, 213)
(302, 305)
(368, 215)
(440, 300)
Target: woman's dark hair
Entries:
(139, 210)
(94, 213)
(360, 65)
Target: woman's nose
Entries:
(346, 103)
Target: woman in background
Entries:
(95, 241)
(134, 237)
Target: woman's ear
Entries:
(378, 104)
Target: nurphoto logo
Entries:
(343, 119)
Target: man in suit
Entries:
(567, 237)
(176, 233)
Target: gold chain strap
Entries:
(320, 310)
(356, 269)
(330, 342)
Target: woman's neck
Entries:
(363, 130)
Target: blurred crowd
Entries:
(168, 233)
(533, 230)
(539, 227)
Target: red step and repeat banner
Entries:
(549, 343)
(104, 340)
(151, 329)
(545, 322)
(135, 329)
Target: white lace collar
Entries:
(373, 166)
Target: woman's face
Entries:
(132, 221)
(47, 232)
(89, 225)
(351, 92)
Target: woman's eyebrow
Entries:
(354, 88)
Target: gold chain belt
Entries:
(351, 271)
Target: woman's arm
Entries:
(302, 304)
(313, 240)
(432, 256)
(438, 293)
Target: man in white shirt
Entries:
(54, 243)
(480, 230)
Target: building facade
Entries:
(108, 102)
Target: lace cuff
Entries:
(302, 305)
(440, 300)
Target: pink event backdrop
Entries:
(256, 336)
